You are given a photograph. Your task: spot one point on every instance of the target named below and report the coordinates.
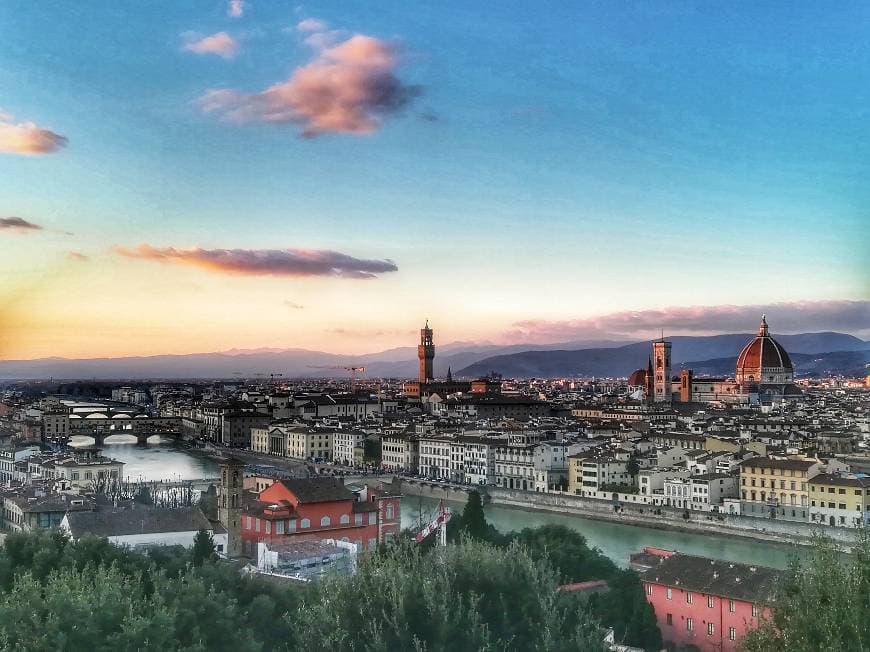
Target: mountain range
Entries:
(465, 359)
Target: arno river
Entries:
(615, 540)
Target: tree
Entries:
(633, 468)
(467, 596)
(821, 603)
(203, 548)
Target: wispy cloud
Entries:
(264, 262)
(293, 305)
(784, 317)
(77, 256)
(236, 8)
(311, 25)
(18, 225)
(349, 87)
(220, 44)
(27, 139)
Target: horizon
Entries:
(189, 179)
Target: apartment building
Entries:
(840, 500)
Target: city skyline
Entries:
(243, 175)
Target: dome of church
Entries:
(764, 360)
(637, 378)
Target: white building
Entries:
(400, 452)
(479, 459)
(515, 466)
(434, 456)
(343, 444)
(710, 489)
(139, 527)
(551, 465)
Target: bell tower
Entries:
(662, 371)
(230, 505)
(426, 354)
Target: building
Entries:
(515, 466)
(710, 489)
(319, 509)
(230, 506)
(138, 527)
(426, 354)
(236, 427)
(80, 469)
(593, 472)
(345, 443)
(34, 507)
(400, 453)
(840, 500)
(661, 384)
(310, 443)
(706, 603)
(551, 465)
(479, 459)
(434, 456)
(777, 488)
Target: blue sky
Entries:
(561, 160)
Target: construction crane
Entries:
(442, 517)
(272, 376)
(353, 372)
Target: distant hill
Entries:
(579, 358)
(621, 361)
(248, 363)
(845, 363)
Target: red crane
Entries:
(353, 372)
(440, 523)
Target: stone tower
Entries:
(230, 505)
(662, 371)
(426, 354)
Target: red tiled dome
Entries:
(763, 352)
(638, 378)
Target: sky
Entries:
(202, 176)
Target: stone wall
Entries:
(667, 518)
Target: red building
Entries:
(320, 508)
(707, 603)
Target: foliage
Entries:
(91, 595)
(203, 548)
(822, 603)
(467, 596)
(472, 523)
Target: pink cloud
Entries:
(784, 317)
(348, 88)
(18, 225)
(220, 44)
(77, 256)
(264, 262)
(27, 139)
(236, 8)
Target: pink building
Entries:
(707, 603)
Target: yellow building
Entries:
(777, 487)
(305, 443)
(840, 500)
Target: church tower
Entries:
(426, 354)
(662, 371)
(230, 505)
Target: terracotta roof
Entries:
(317, 490)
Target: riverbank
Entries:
(668, 519)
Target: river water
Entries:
(616, 540)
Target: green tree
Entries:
(821, 603)
(633, 468)
(203, 548)
(467, 596)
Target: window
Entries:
(389, 512)
(306, 523)
(648, 589)
(689, 597)
(345, 519)
(731, 606)
(709, 601)
(690, 624)
(670, 620)
(325, 522)
(755, 611)
(732, 634)
(711, 629)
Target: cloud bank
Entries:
(18, 225)
(349, 87)
(77, 256)
(788, 317)
(220, 44)
(27, 139)
(264, 262)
